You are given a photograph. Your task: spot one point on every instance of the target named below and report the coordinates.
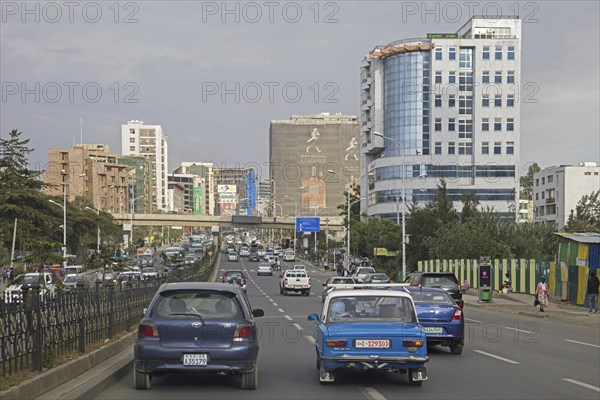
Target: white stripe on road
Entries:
(585, 385)
(583, 343)
(275, 304)
(298, 327)
(288, 317)
(310, 339)
(518, 330)
(373, 394)
(496, 357)
(271, 300)
(280, 310)
(472, 320)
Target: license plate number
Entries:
(195, 359)
(434, 329)
(372, 344)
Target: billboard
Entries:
(226, 188)
(198, 203)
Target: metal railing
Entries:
(38, 331)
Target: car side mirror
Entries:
(258, 312)
(324, 284)
(313, 317)
(280, 275)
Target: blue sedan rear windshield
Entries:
(371, 308)
(432, 298)
(209, 305)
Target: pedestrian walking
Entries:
(4, 275)
(325, 264)
(542, 294)
(592, 292)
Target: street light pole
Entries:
(131, 220)
(348, 217)
(295, 220)
(64, 208)
(98, 230)
(403, 199)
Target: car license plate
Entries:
(434, 329)
(195, 359)
(372, 344)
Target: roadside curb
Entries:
(57, 376)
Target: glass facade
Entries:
(406, 109)
(428, 195)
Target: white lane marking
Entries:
(310, 339)
(472, 320)
(373, 393)
(585, 385)
(275, 304)
(518, 330)
(496, 357)
(280, 310)
(583, 343)
(272, 301)
(298, 327)
(288, 317)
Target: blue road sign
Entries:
(312, 224)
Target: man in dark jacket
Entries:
(592, 292)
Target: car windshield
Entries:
(366, 271)
(148, 269)
(199, 304)
(432, 298)
(379, 276)
(31, 279)
(234, 274)
(264, 265)
(71, 279)
(336, 281)
(439, 281)
(371, 308)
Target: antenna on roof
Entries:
(81, 129)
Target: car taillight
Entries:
(285, 281)
(147, 329)
(243, 331)
(309, 279)
(412, 343)
(336, 343)
(457, 314)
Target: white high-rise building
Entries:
(558, 189)
(446, 106)
(139, 139)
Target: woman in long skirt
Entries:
(542, 294)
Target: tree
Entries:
(586, 216)
(526, 182)
(355, 209)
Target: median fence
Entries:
(35, 333)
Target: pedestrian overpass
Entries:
(223, 221)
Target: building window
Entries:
(485, 100)
(497, 124)
(465, 105)
(438, 53)
(498, 53)
(485, 78)
(497, 147)
(498, 100)
(537, 196)
(465, 129)
(543, 193)
(465, 57)
(537, 183)
(510, 100)
(510, 124)
(451, 125)
(498, 77)
(132, 131)
(511, 53)
(486, 53)
(131, 148)
(550, 177)
(452, 53)
(131, 140)
(485, 147)
(465, 82)
(452, 77)
(451, 148)
(438, 124)
(510, 148)
(438, 100)
(465, 148)
(438, 76)
(452, 101)
(485, 124)
(438, 147)
(510, 77)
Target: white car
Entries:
(46, 280)
(299, 267)
(264, 269)
(289, 255)
(362, 273)
(232, 256)
(336, 282)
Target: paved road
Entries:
(506, 356)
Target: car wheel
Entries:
(456, 349)
(285, 292)
(250, 379)
(307, 293)
(280, 291)
(142, 380)
(411, 381)
(318, 363)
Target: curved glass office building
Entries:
(443, 107)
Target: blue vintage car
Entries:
(197, 327)
(370, 329)
(441, 316)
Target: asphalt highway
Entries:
(506, 356)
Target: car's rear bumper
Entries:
(373, 363)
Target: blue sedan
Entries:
(441, 316)
(370, 330)
(197, 327)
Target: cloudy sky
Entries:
(214, 74)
